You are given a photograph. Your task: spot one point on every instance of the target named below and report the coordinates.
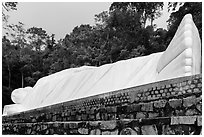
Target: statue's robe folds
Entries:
(181, 58)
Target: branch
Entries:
(4, 7)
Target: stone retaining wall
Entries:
(167, 107)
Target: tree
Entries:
(118, 34)
(38, 38)
(194, 8)
(19, 41)
(50, 41)
(172, 6)
(9, 57)
(41, 44)
(146, 10)
(6, 7)
(101, 19)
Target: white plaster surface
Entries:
(183, 55)
(18, 95)
(181, 58)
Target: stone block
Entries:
(180, 112)
(91, 117)
(131, 116)
(73, 125)
(54, 125)
(174, 103)
(173, 93)
(33, 120)
(199, 121)
(189, 101)
(33, 132)
(73, 113)
(104, 116)
(111, 109)
(199, 85)
(84, 116)
(74, 131)
(147, 106)
(110, 132)
(192, 86)
(78, 117)
(168, 93)
(92, 110)
(153, 115)
(98, 116)
(28, 131)
(128, 131)
(176, 89)
(161, 91)
(160, 103)
(108, 125)
(168, 85)
(46, 132)
(163, 94)
(95, 132)
(199, 107)
(196, 90)
(93, 123)
(140, 115)
(139, 94)
(43, 127)
(54, 118)
(133, 108)
(191, 112)
(199, 99)
(125, 121)
(149, 130)
(159, 95)
(83, 131)
(149, 97)
(186, 87)
(189, 91)
(66, 125)
(183, 120)
(112, 116)
(146, 93)
(189, 82)
(195, 81)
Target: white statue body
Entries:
(181, 58)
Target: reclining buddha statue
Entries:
(181, 58)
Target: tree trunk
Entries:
(22, 79)
(9, 80)
(111, 61)
(152, 19)
(152, 22)
(144, 21)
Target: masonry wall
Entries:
(167, 107)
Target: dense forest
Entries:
(118, 34)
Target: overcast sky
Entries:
(60, 18)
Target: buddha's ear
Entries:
(183, 55)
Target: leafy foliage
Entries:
(7, 6)
(146, 10)
(194, 8)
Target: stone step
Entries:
(147, 126)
